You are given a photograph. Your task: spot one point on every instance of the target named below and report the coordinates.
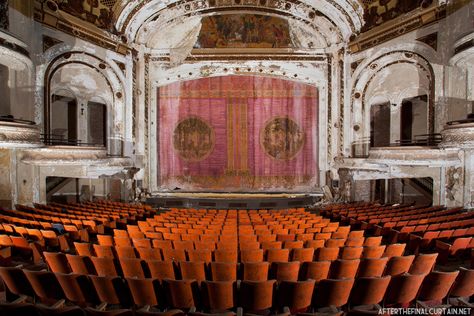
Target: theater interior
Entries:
(236, 157)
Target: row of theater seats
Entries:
(231, 271)
(204, 247)
(314, 253)
(449, 232)
(25, 233)
(330, 295)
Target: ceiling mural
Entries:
(98, 12)
(243, 31)
(378, 12)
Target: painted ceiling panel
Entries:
(377, 12)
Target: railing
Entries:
(60, 140)
(420, 140)
(361, 148)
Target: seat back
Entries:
(105, 266)
(436, 285)
(144, 291)
(372, 267)
(464, 283)
(182, 294)
(344, 269)
(403, 288)
(296, 295)
(81, 264)
(223, 271)
(423, 263)
(316, 270)
(57, 262)
(369, 290)
(333, 292)
(219, 296)
(399, 265)
(256, 296)
(193, 270)
(285, 271)
(255, 271)
(161, 269)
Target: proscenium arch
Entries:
(323, 109)
(100, 66)
(364, 79)
(347, 16)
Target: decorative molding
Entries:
(464, 46)
(13, 53)
(330, 108)
(199, 55)
(458, 136)
(49, 42)
(430, 40)
(13, 44)
(341, 102)
(345, 16)
(397, 28)
(19, 134)
(71, 25)
(361, 83)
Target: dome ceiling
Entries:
(311, 23)
(104, 13)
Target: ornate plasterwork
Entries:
(367, 73)
(346, 16)
(50, 14)
(454, 179)
(397, 27)
(13, 53)
(110, 73)
(458, 136)
(19, 135)
(464, 52)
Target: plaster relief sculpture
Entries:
(453, 181)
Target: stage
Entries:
(220, 200)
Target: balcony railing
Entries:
(60, 140)
(420, 140)
(361, 148)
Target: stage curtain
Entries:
(238, 133)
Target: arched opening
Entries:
(82, 110)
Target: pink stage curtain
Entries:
(238, 133)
